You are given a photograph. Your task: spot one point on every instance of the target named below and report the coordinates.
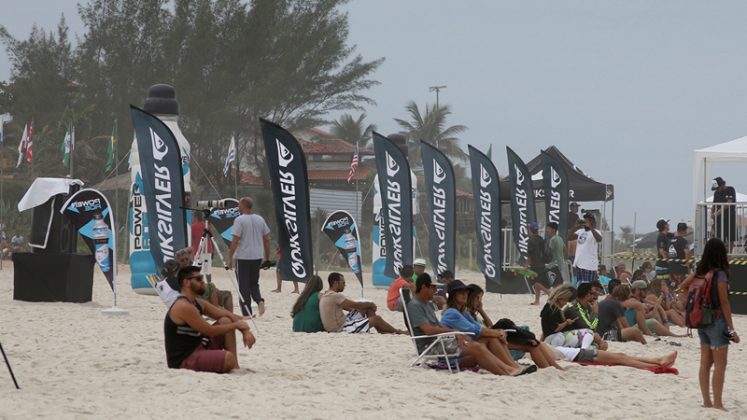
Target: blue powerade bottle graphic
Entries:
(100, 236)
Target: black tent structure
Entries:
(583, 188)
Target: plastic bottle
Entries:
(351, 249)
(100, 235)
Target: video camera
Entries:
(211, 204)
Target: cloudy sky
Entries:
(626, 89)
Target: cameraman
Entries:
(251, 242)
(586, 262)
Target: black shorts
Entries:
(541, 277)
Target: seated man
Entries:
(636, 312)
(192, 343)
(393, 302)
(472, 353)
(584, 310)
(361, 316)
(418, 267)
(613, 326)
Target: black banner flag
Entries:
(286, 163)
(342, 230)
(486, 189)
(555, 182)
(90, 212)
(163, 185)
(396, 203)
(522, 202)
(440, 191)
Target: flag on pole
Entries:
(30, 144)
(353, 164)
(230, 157)
(110, 150)
(490, 153)
(67, 146)
(22, 145)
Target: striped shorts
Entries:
(584, 276)
(356, 322)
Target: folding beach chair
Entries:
(437, 349)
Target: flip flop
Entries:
(527, 370)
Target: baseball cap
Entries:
(533, 226)
(455, 285)
(661, 223)
(574, 204)
(419, 262)
(681, 226)
(719, 180)
(639, 284)
(589, 216)
(423, 280)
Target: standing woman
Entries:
(714, 339)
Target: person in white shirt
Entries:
(586, 262)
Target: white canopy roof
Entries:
(731, 151)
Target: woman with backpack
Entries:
(711, 275)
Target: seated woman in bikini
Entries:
(541, 353)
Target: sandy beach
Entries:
(72, 361)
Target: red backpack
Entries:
(701, 307)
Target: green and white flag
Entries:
(110, 150)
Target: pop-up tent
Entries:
(582, 187)
(731, 151)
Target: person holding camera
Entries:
(250, 244)
(586, 262)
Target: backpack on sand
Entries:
(701, 307)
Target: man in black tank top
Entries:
(191, 342)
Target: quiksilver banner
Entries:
(556, 185)
(396, 203)
(341, 229)
(522, 202)
(90, 212)
(440, 191)
(286, 163)
(221, 219)
(486, 190)
(163, 185)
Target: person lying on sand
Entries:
(422, 316)
(191, 342)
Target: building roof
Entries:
(337, 174)
(315, 141)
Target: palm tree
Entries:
(353, 130)
(430, 128)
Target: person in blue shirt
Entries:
(453, 317)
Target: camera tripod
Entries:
(202, 250)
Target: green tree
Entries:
(431, 127)
(353, 130)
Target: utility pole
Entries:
(437, 89)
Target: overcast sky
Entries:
(626, 89)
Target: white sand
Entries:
(72, 361)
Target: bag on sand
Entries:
(701, 307)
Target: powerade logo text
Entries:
(520, 199)
(486, 222)
(393, 193)
(337, 224)
(162, 186)
(87, 205)
(139, 238)
(439, 215)
(229, 213)
(290, 215)
(553, 214)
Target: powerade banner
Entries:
(396, 204)
(163, 185)
(441, 195)
(342, 230)
(286, 163)
(486, 189)
(222, 219)
(522, 202)
(556, 188)
(90, 212)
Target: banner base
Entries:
(115, 310)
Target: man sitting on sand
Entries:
(191, 342)
(613, 326)
(361, 316)
(424, 322)
(639, 314)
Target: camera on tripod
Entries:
(211, 204)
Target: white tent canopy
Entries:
(731, 151)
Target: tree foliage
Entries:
(431, 127)
(353, 130)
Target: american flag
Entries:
(353, 164)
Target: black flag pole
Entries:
(7, 363)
